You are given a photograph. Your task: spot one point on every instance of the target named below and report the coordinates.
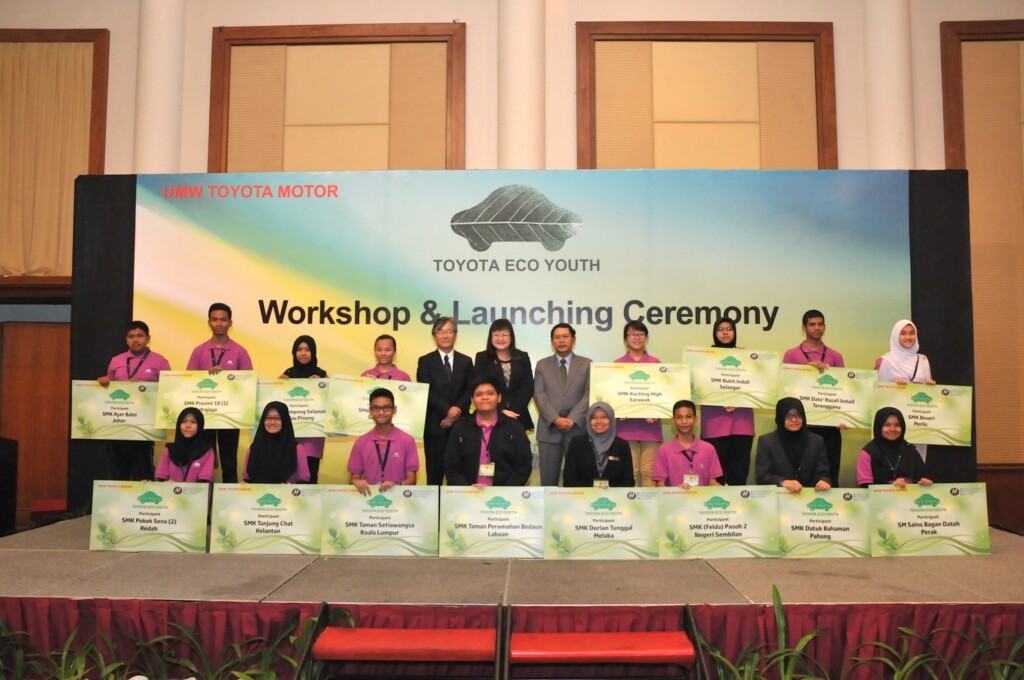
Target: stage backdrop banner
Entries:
(122, 410)
(935, 414)
(639, 390)
(938, 519)
(835, 396)
(149, 516)
(503, 521)
(719, 521)
(266, 519)
(227, 399)
(733, 377)
(831, 523)
(601, 524)
(401, 521)
(346, 256)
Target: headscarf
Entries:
(904, 360)
(892, 459)
(792, 442)
(273, 457)
(714, 332)
(183, 451)
(310, 370)
(601, 442)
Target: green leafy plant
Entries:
(81, 658)
(18, 657)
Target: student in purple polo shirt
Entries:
(385, 455)
(189, 458)
(686, 460)
(384, 349)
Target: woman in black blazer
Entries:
(791, 456)
(510, 367)
(598, 458)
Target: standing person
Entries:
(448, 373)
(189, 458)
(487, 448)
(133, 460)
(792, 457)
(903, 363)
(813, 351)
(562, 394)
(511, 367)
(304, 366)
(686, 461)
(217, 354)
(642, 434)
(273, 457)
(889, 458)
(599, 458)
(384, 349)
(385, 455)
(728, 428)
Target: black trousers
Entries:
(227, 453)
(734, 457)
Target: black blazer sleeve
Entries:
(580, 467)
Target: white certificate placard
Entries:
(348, 410)
(266, 519)
(938, 519)
(494, 521)
(935, 414)
(149, 516)
(835, 396)
(227, 399)
(601, 524)
(401, 521)
(639, 390)
(123, 410)
(831, 523)
(719, 521)
(729, 376)
(306, 399)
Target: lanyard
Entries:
(128, 364)
(383, 460)
(689, 456)
(485, 434)
(217, 359)
(808, 356)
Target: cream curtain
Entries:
(45, 96)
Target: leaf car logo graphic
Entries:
(921, 398)
(827, 380)
(498, 503)
(120, 395)
(379, 501)
(716, 503)
(206, 384)
(150, 497)
(639, 375)
(927, 500)
(516, 213)
(602, 504)
(730, 361)
(268, 499)
(819, 504)
(298, 391)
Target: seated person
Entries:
(487, 448)
(385, 455)
(273, 457)
(189, 458)
(792, 457)
(889, 458)
(598, 458)
(685, 460)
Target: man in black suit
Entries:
(448, 373)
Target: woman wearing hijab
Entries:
(190, 457)
(889, 458)
(304, 366)
(791, 456)
(903, 364)
(729, 429)
(273, 457)
(598, 458)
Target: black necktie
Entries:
(447, 367)
(561, 369)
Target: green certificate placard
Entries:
(837, 396)
(831, 523)
(503, 521)
(719, 521)
(935, 414)
(401, 521)
(123, 410)
(149, 516)
(306, 399)
(227, 399)
(639, 390)
(348, 407)
(939, 519)
(601, 524)
(266, 519)
(732, 377)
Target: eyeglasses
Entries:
(445, 333)
(794, 416)
(381, 409)
(277, 418)
(501, 335)
(636, 335)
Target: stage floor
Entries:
(55, 561)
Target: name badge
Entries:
(600, 483)
(692, 480)
(486, 469)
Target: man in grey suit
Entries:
(562, 394)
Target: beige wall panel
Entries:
(625, 136)
(419, 106)
(705, 82)
(992, 131)
(336, 147)
(789, 120)
(337, 85)
(707, 145)
(256, 108)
